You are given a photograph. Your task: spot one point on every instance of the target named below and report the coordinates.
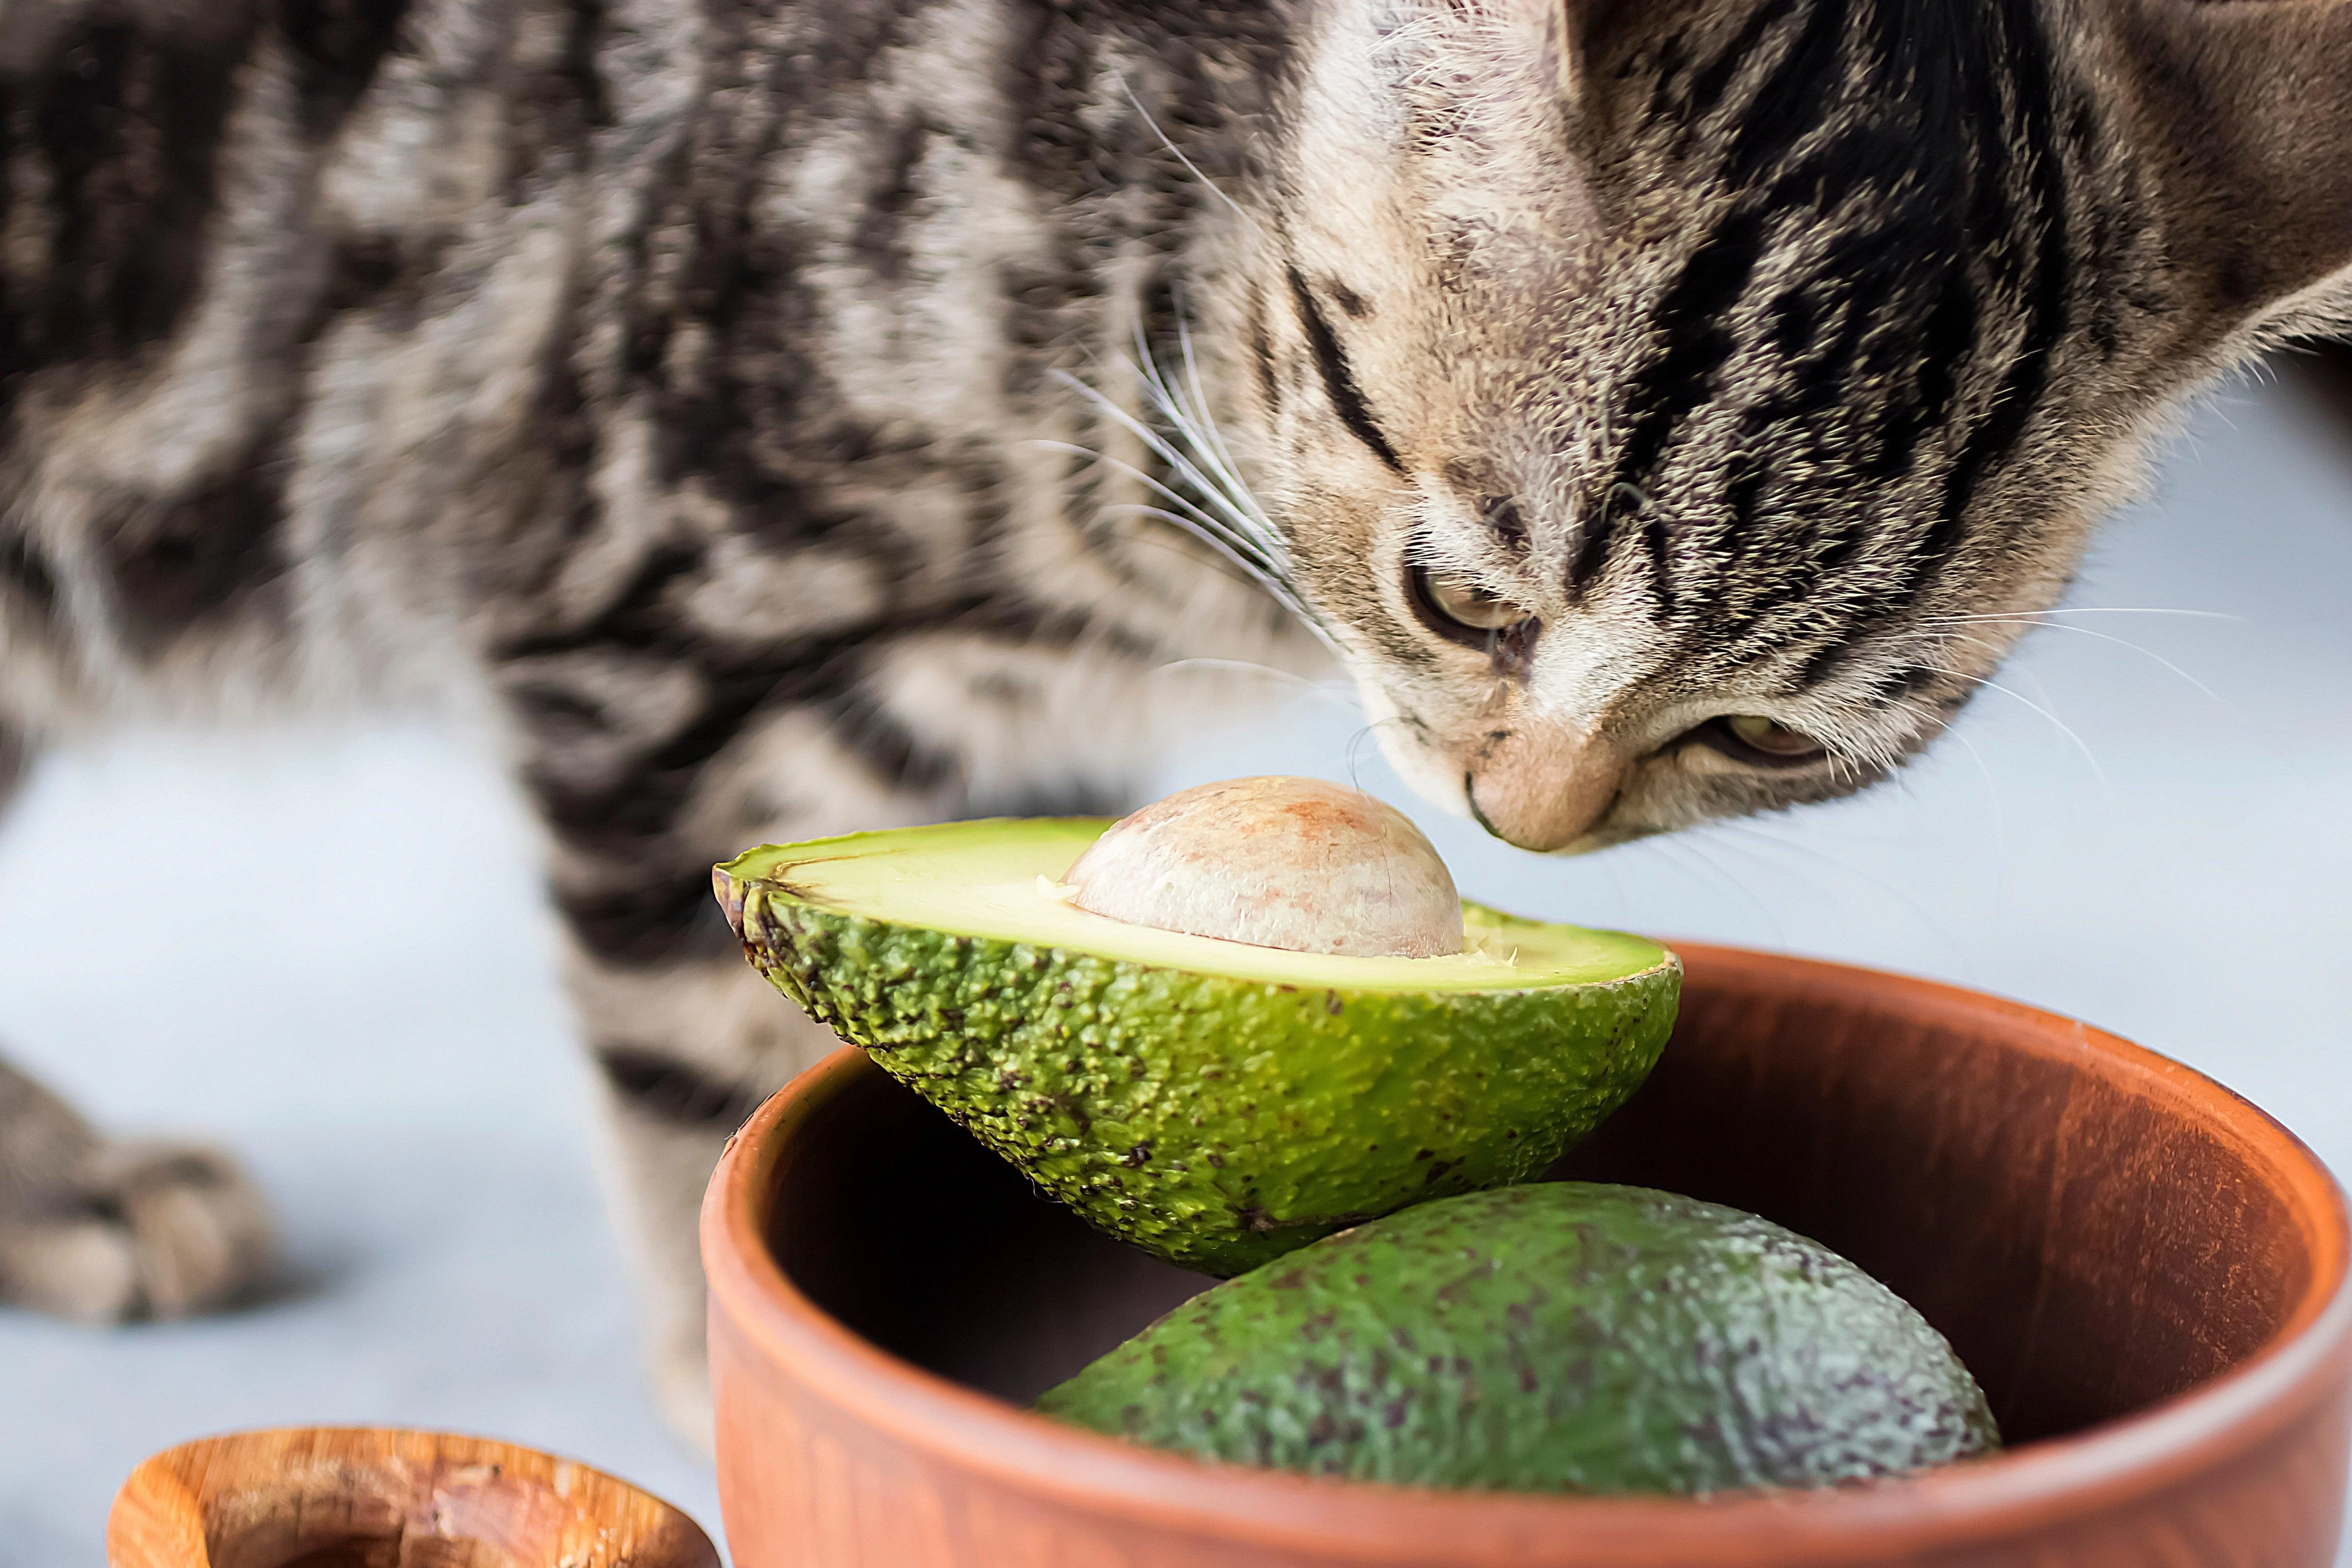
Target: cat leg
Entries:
(685, 1039)
(102, 1229)
(683, 1053)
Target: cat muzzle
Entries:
(1544, 793)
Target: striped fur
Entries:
(769, 417)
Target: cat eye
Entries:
(1456, 607)
(1754, 739)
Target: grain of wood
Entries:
(330, 1497)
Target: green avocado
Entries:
(1556, 1337)
(1214, 1102)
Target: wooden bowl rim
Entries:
(167, 1474)
(2019, 1488)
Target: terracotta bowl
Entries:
(2147, 1274)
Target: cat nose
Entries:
(1542, 793)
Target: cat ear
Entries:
(1574, 31)
(1564, 31)
(2244, 108)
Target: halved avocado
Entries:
(1214, 1102)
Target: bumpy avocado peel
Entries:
(1555, 1337)
(1214, 1122)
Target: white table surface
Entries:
(344, 971)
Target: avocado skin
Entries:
(1216, 1122)
(1556, 1337)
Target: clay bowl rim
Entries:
(2024, 1487)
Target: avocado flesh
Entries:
(1216, 1103)
(1556, 1336)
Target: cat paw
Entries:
(148, 1230)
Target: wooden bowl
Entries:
(356, 1497)
(2146, 1273)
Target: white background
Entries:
(328, 950)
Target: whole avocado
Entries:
(1554, 1337)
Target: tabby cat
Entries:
(772, 417)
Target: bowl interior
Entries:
(2093, 1228)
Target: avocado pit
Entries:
(1289, 863)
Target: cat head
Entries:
(1678, 409)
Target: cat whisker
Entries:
(1228, 469)
(1159, 446)
(2057, 724)
(1238, 516)
(1410, 32)
(1206, 466)
(2000, 818)
(2087, 632)
(1197, 428)
(1858, 759)
(1226, 563)
(1354, 744)
(1695, 844)
(1192, 522)
(1242, 551)
(1187, 514)
(1894, 892)
(1225, 512)
(1321, 690)
(1640, 499)
(2112, 610)
(1177, 153)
